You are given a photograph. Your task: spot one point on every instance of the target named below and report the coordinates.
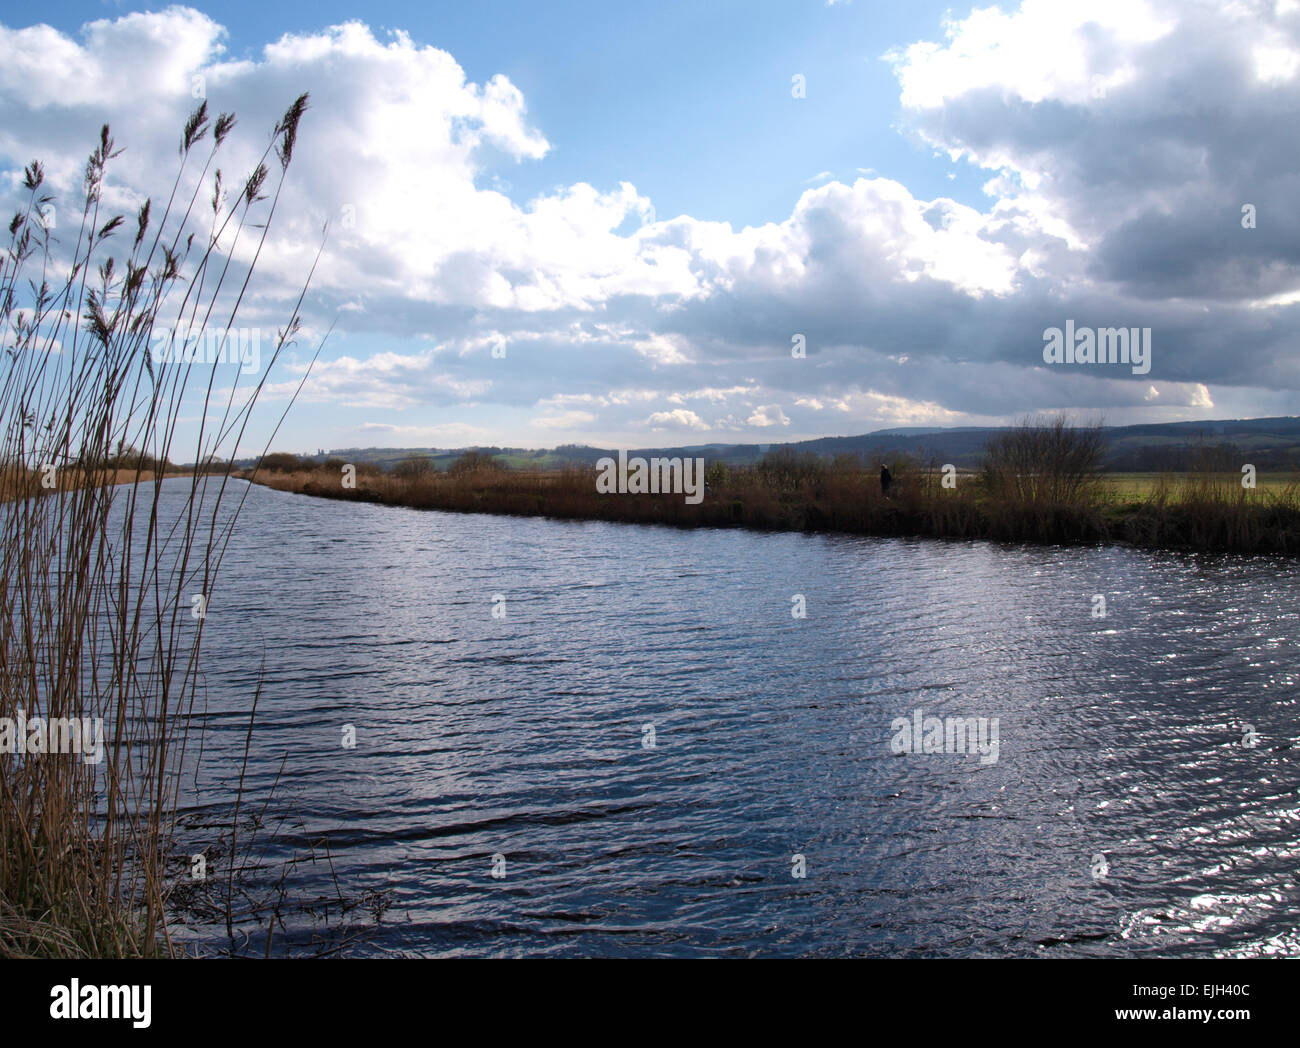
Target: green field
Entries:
(1138, 486)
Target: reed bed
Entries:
(1196, 510)
(834, 499)
(97, 585)
(23, 484)
(1213, 511)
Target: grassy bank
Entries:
(1184, 511)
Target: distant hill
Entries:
(1268, 443)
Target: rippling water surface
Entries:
(524, 737)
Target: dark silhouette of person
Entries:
(885, 480)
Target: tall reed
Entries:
(98, 579)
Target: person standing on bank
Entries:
(885, 480)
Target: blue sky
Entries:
(633, 204)
(688, 101)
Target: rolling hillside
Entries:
(1268, 443)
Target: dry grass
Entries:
(23, 484)
(95, 586)
(1211, 510)
(1195, 511)
(843, 498)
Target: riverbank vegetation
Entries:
(97, 590)
(1040, 481)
